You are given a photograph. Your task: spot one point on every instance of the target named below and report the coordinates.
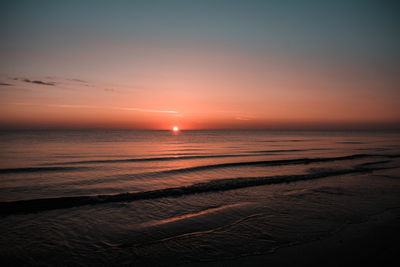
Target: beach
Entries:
(374, 242)
(198, 198)
(199, 133)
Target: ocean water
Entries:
(158, 198)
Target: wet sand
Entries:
(375, 242)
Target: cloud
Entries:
(149, 110)
(71, 106)
(5, 84)
(78, 80)
(239, 118)
(39, 82)
(101, 107)
(244, 117)
(34, 81)
(55, 105)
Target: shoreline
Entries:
(374, 241)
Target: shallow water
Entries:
(159, 198)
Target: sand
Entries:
(375, 242)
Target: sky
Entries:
(200, 64)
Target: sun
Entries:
(175, 128)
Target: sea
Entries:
(160, 198)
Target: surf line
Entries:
(38, 205)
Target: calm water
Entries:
(158, 198)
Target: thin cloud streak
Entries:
(101, 107)
(70, 106)
(78, 80)
(149, 110)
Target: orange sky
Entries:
(224, 72)
(196, 96)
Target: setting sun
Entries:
(175, 128)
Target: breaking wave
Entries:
(37, 205)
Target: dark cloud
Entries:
(39, 82)
(5, 84)
(78, 80)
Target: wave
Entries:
(350, 142)
(378, 149)
(222, 165)
(254, 153)
(270, 163)
(142, 159)
(374, 163)
(37, 205)
(40, 169)
(289, 150)
(288, 140)
(266, 163)
(191, 215)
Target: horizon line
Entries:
(337, 129)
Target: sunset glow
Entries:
(200, 133)
(251, 65)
